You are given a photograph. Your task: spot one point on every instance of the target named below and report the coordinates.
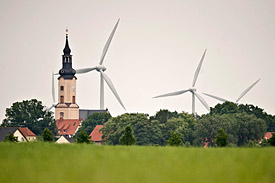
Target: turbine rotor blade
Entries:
(202, 101)
(108, 43)
(53, 89)
(247, 90)
(85, 70)
(198, 69)
(215, 97)
(111, 86)
(172, 93)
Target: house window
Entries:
(64, 131)
(58, 131)
(61, 115)
(62, 99)
(73, 99)
(61, 88)
(22, 139)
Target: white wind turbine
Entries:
(193, 90)
(100, 68)
(53, 94)
(239, 98)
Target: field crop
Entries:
(45, 162)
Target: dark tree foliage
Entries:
(264, 143)
(225, 108)
(92, 120)
(240, 127)
(271, 141)
(127, 138)
(83, 137)
(149, 132)
(31, 114)
(163, 115)
(221, 138)
(250, 128)
(175, 139)
(140, 124)
(259, 113)
(47, 135)
(11, 138)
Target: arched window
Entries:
(73, 99)
(62, 99)
(61, 88)
(61, 115)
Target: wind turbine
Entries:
(53, 94)
(239, 98)
(193, 90)
(103, 77)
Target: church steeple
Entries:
(67, 72)
(67, 50)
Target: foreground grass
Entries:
(43, 162)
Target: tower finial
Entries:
(67, 49)
(67, 31)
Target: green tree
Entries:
(83, 137)
(221, 138)
(127, 137)
(163, 115)
(250, 128)
(11, 138)
(240, 127)
(47, 135)
(264, 143)
(31, 114)
(175, 139)
(271, 141)
(92, 120)
(225, 108)
(259, 113)
(207, 128)
(114, 128)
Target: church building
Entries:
(68, 116)
(67, 111)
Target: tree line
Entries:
(242, 124)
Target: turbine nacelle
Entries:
(100, 67)
(192, 89)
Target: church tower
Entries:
(66, 109)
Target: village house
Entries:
(268, 135)
(96, 135)
(64, 139)
(23, 134)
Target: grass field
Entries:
(44, 162)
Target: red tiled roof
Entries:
(96, 134)
(268, 135)
(69, 125)
(26, 132)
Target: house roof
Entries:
(67, 126)
(4, 131)
(84, 113)
(96, 134)
(26, 132)
(66, 138)
(268, 135)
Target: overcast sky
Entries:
(155, 50)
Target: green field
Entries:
(44, 162)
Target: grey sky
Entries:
(155, 50)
